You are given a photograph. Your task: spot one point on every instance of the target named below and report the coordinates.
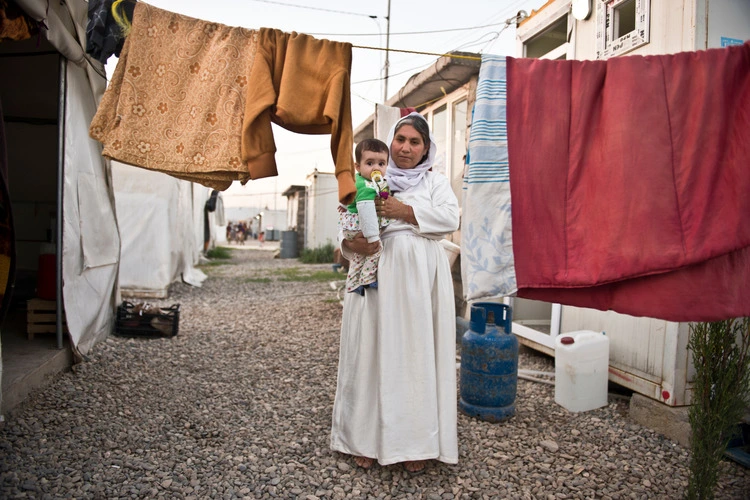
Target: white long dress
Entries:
(396, 389)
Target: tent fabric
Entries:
(633, 200)
(91, 241)
(66, 26)
(159, 242)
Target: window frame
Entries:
(606, 44)
(544, 21)
(448, 102)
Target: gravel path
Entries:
(238, 405)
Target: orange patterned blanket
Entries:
(176, 99)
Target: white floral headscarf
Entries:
(401, 179)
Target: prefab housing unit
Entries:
(295, 212)
(649, 356)
(321, 202)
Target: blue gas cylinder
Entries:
(489, 364)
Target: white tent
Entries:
(62, 189)
(43, 148)
(162, 223)
(58, 183)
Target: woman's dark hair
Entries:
(374, 145)
(420, 125)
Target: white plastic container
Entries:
(581, 370)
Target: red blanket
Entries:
(630, 182)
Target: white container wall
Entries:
(321, 226)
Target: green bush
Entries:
(721, 355)
(320, 255)
(219, 253)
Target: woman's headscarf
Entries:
(401, 179)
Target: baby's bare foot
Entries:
(415, 466)
(364, 462)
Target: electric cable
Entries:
(318, 8)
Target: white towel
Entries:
(487, 266)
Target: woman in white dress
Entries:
(396, 387)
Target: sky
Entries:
(432, 26)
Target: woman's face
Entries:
(408, 147)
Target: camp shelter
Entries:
(60, 190)
(162, 223)
(647, 355)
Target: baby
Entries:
(371, 161)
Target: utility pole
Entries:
(387, 50)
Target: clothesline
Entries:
(125, 23)
(452, 55)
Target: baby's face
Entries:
(371, 161)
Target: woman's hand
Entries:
(360, 245)
(392, 208)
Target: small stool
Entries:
(41, 317)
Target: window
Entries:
(440, 133)
(449, 128)
(548, 33)
(622, 25)
(548, 40)
(458, 145)
(624, 18)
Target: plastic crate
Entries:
(738, 448)
(144, 320)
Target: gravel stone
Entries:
(238, 405)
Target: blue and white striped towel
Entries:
(487, 265)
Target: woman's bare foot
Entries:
(364, 462)
(415, 466)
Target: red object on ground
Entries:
(45, 281)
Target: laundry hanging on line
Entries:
(196, 99)
(487, 264)
(629, 182)
(104, 35)
(109, 21)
